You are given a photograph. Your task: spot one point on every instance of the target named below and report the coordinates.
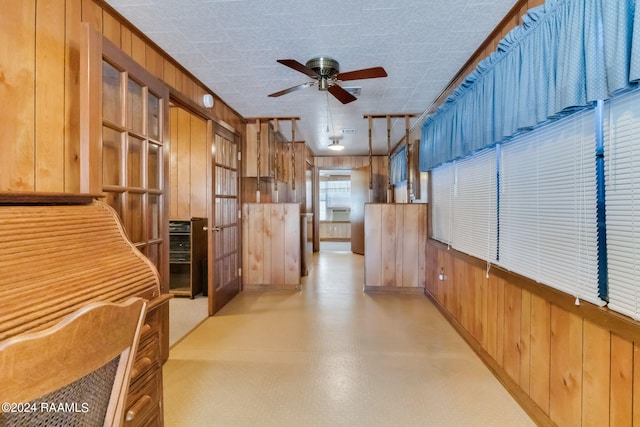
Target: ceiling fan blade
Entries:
(291, 89)
(365, 73)
(292, 63)
(342, 95)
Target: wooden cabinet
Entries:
(187, 255)
(274, 154)
(271, 246)
(395, 237)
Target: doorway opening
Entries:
(334, 210)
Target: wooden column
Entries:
(370, 157)
(293, 155)
(389, 187)
(408, 156)
(258, 125)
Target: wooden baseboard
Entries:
(523, 399)
(392, 289)
(262, 288)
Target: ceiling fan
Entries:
(326, 72)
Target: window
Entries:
(539, 218)
(548, 220)
(622, 188)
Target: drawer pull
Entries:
(146, 328)
(140, 367)
(138, 407)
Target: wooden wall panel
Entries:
(540, 343)
(17, 55)
(253, 254)
(500, 321)
(138, 49)
(387, 260)
(173, 163)
(480, 306)
(112, 29)
(596, 375)
(394, 247)
(200, 154)
(183, 160)
(49, 96)
(125, 40)
(564, 363)
(512, 319)
(398, 247)
(292, 256)
(490, 343)
(271, 249)
(73, 40)
(621, 397)
(565, 404)
(154, 62)
(40, 62)
(373, 228)
(92, 13)
(267, 262)
(525, 341)
(636, 384)
(276, 232)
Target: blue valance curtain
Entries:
(398, 166)
(566, 55)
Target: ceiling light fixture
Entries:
(335, 144)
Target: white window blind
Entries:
(622, 187)
(473, 229)
(548, 218)
(441, 195)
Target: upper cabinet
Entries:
(267, 154)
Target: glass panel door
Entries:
(226, 280)
(132, 156)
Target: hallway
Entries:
(331, 355)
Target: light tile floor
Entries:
(185, 314)
(331, 355)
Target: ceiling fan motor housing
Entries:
(327, 69)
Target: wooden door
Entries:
(359, 196)
(134, 153)
(224, 253)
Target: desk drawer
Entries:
(143, 399)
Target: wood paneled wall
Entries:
(395, 241)
(568, 365)
(190, 150)
(40, 44)
(271, 246)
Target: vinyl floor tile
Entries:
(331, 355)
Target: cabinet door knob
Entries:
(216, 229)
(205, 228)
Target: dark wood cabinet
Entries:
(187, 256)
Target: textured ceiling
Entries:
(232, 46)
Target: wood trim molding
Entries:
(30, 198)
(392, 289)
